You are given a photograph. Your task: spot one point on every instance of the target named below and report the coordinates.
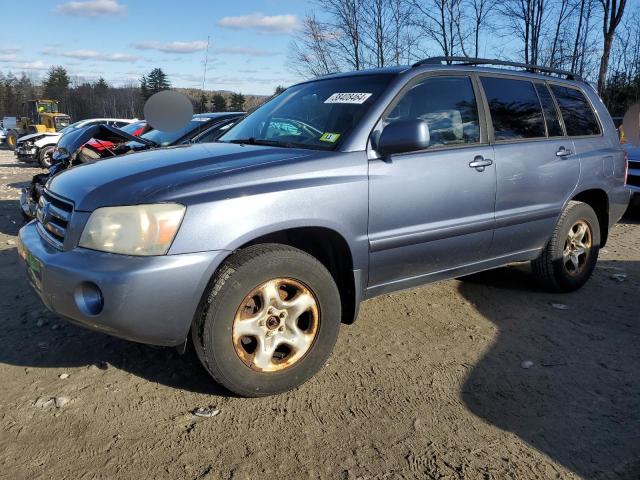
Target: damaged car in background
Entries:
(98, 142)
(39, 146)
(66, 155)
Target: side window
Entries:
(447, 104)
(554, 129)
(515, 109)
(577, 113)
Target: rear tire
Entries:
(570, 256)
(44, 157)
(268, 321)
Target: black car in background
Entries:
(195, 129)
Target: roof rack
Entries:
(486, 61)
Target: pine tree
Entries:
(56, 85)
(237, 102)
(101, 86)
(144, 88)
(157, 81)
(219, 104)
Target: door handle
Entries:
(479, 163)
(563, 152)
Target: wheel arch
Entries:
(597, 199)
(332, 250)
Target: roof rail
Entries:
(486, 61)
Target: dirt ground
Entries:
(429, 383)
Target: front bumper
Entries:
(144, 299)
(25, 152)
(27, 205)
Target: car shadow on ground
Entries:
(10, 217)
(34, 337)
(578, 400)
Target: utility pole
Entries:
(206, 59)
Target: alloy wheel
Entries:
(276, 325)
(577, 247)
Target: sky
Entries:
(121, 40)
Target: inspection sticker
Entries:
(330, 137)
(348, 98)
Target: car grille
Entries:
(53, 215)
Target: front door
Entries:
(432, 210)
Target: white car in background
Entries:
(40, 146)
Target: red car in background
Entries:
(97, 146)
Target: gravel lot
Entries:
(429, 383)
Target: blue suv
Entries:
(257, 247)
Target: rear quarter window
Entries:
(515, 109)
(579, 118)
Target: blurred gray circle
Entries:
(168, 111)
(631, 125)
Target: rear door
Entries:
(596, 154)
(536, 165)
(432, 210)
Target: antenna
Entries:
(206, 60)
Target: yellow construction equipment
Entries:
(39, 116)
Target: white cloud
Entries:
(35, 65)
(173, 47)
(91, 8)
(9, 50)
(92, 54)
(119, 57)
(81, 54)
(251, 52)
(263, 23)
(8, 58)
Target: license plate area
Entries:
(33, 266)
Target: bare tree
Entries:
(440, 21)
(481, 11)
(525, 19)
(612, 16)
(311, 50)
(564, 11)
(346, 20)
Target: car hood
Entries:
(35, 136)
(170, 174)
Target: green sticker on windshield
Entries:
(330, 137)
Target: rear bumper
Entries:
(618, 203)
(144, 299)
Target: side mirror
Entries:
(403, 136)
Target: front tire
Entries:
(570, 256)
(44, 157)
(12, 139)
(268, 321)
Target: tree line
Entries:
(81, 99)
(597, 39)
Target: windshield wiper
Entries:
(254, 141)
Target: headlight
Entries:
(133, 230)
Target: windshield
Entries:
(70, 127)
(195, 126)
(316, 115)
(46, 107)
